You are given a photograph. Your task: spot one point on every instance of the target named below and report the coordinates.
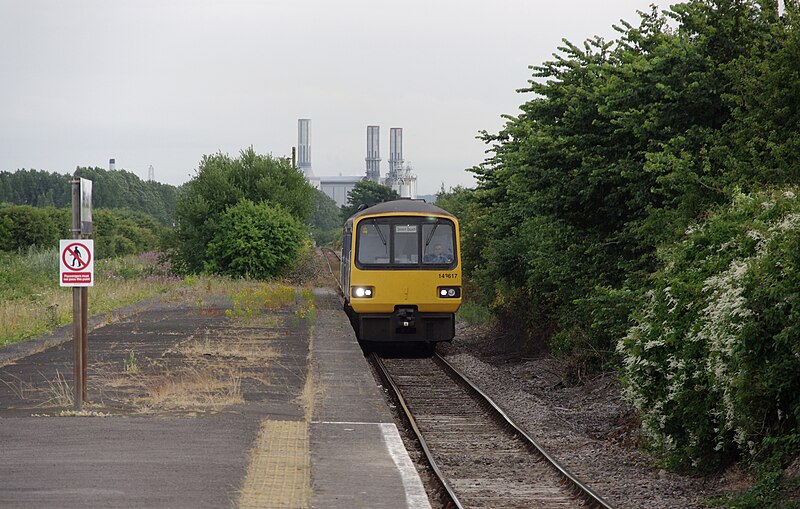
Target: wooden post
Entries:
(84, 341)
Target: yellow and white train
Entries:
(401, 272)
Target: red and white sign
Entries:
(77, 262)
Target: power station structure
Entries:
(373, 153)
(399, 177)
(304, 147)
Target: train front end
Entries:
(404, 281)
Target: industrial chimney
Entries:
(395, 152)
(304, 147)
(373, 153)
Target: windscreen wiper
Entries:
(375, 224)
(430, 235)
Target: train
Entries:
(401, 272)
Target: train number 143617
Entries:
(448, 275)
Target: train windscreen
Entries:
(406, 242)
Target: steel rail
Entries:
(330, 269)
(384, 373)
(579, 489)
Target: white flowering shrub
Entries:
(712, 363)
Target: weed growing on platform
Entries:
(249, 302)
(130, 363)
(306, 309)
(32, 302)
(59, 392)
(195, 388)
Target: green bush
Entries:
(23, 226)
(116, 232)
(712, 363)
(256, 240)
(221, 183)
(122, 232)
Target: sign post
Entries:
(76, 262)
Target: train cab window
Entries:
(386, 243)
(406, 243)
(438, 247)
(373, 244)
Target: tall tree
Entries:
(367, 192)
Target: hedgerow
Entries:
(712, 363)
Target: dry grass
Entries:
(250, 350)
(193, 388)
(23, 390)
(58, 392)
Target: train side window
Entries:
(373, 240)
(406, 243)
(438, 247)
(346, 246)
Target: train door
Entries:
(344, 267)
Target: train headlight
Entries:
(449, 292)
(363, 292)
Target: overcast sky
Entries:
(163, 82)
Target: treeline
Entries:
(117, 189)
(116, 232)
(624, 151)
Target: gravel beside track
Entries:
(484, 464)
(587, 426)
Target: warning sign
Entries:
(77, 262)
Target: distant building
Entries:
(338, 187)
(400, 177)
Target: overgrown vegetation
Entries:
(233, 208)
(32, 302)
(117, 232)
(604, 212)
(712, 363)
(326, 222)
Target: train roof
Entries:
(401, 206)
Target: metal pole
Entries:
(77, 322)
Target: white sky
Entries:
(163, 82)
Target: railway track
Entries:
(333, 260)
(482, 459)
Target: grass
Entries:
(32, 302)
(59, 392)
(212, 369)
(474, 313)
(193, 388)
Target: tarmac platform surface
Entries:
(191, 405)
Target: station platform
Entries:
(357, 456)
(306, 425)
